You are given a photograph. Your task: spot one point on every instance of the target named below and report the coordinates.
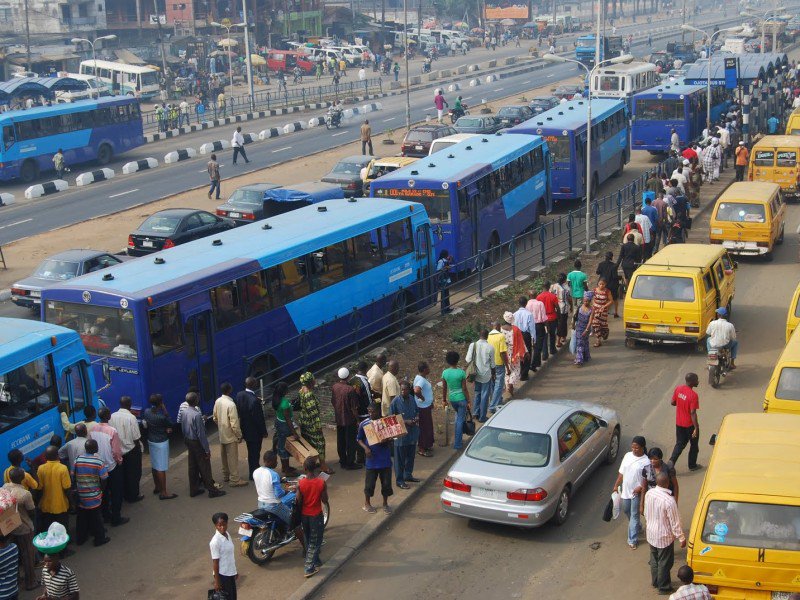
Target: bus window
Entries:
(227, 303)
(396, 239)
(8, 136)
(293, 280)
(165, 329)
(256, 300)
(104, 330)
(362, 253)
(326, 266)
(73, 378)
(25, 391)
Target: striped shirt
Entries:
(9, 569)
(89, 472)
(663, 520)
(691, 591)
(61, 583)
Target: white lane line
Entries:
(499, 89)
(526, 82)
(340, 133)
(389, 119)
(281, 149)
(468, 98)
(551, 75)
(124, 193)
(16, 223)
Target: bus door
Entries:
(200, 371)
(425, 264)
(468, 243)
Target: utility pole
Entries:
(405, 51)
(248, 58)
(597, 57)
(27, 36)
(163, 52)
(419, 19)
(683, 31)
(139, 17)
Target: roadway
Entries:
(29, 218)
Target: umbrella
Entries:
(258, 60)
(227, 53)
(227, 43)
(508, 22)
(476, 30)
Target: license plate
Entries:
(147, 244)
(234, 215)
(417, 147)
(245, 532)
(780, 595)
(35, 294)
(662, 329)
(489, 494)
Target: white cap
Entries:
(741, 143)
(343, 373)
(686, 161)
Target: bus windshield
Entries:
(24, 391)
(663, 287)
(149, 78)
(659, 109)
(741, 212)
(105, 331)
(560, 148)
(752, 525)
(609, 83)
(585, 43)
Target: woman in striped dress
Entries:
(601, 302)
(310, 420)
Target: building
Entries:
(66, 17)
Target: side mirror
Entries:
(106, 372)
(602, 422)
(712, 440)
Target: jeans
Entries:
(282, 432)
(482, 393)
(499, 384)
(551, 326)
(313, 530)
(740, 169)
(281, 509)
(683, 436)
(404, 461)
(630, 506)
(540, 351)
(661, 561)
(214, 187)
(733, 346)
(461, 416)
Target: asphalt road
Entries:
(79, 204)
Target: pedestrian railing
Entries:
(282, 97)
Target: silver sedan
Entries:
(523, 465)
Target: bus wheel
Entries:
(104, 154)
(265, 369)
(29, 171)
(779, 241)
(400, 310)
(618, 173)
(494, 253)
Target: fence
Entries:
(262, 101)
(488, 269)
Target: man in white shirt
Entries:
(679, 176)
(523, 319)
(663, 528)
(539, 313)
(184, 113)
(722, 334)
(482, 353)
(647, 232)
(127, 426)
(629, 484)
(237, 143)
(75, 447)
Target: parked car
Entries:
(478, 124)
(168, 228)
(449, 140)
(515, 114)
(662, 59)
(246, 204)
(57, 268)
(378, 167)
(417, 141)
(568, 91)
(542, 103)
(347, 173)
(523, 466)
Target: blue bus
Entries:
(477, 193)
(564, 130)
(86, 130)
(43, 368)
(266, 299)
(683, 107)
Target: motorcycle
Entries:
(426, 67)
(333, 119)
(263, 533)
(719, 364)
(456, 114)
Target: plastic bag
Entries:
(616, 502)
(56, 536)
(573, 342)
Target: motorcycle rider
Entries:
(335, 111)
(458, 109)
(426, 66)
(722, 334)
(271, 494)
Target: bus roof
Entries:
(669, 89)
(117, 66)
(60, 109)
(463, 161)
(569, 115)
(626, 69)
(749, 191)
(299, 231)
(18, 335)
(685, 255)
(778, 140)
(756, 453)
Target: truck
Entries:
(684, 52)
(610, 47)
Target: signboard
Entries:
(731, 72)
(506, 9)
(154, 19)
(412, 193)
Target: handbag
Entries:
(469, 426)
(471, 370)
(573, 342)
(217, 595)
(608, 511)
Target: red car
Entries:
(287, 60)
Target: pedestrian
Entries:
(443, 266)
(58, 580)
(375, 376)
(601, 302)
(15, 458)
(199, 462)
(607, 270)
(577, 283)
(9, 568)
(158, 427)
(200, 110)
(226, 416)
(110, 450)
(772, 124)
(687, 427)
(539, 314)
(58, 163)
(497, 340)
(312, 492)
(237, 143)
(690, 590)
(405, 406)
(440, 103)
(251, 422)
(89, 474)
(160, 117)
(742, 158)
(390, 386)
(223, 557)
(629, 484)
(582, 326)
(271, 493)
(663, 528)
(630, 257)
(343, 67)
(396, 70)
(651, 213)
(213, 175)
(661, 207)
(344, 400)
(652, 469)
(130, 436)
(184, 113)
(378, 463)
(550, 301)
(54, 483)
(310, 419)
(647, 232)
(561, 289)
(361, 384)
(362, 74)
(523, 319)
(222, 105)
(22, 536)
(481, 354)
(454, 392)
(674, 142)
(319, 70)
(516, 349)
(423, 396)
(711, 161)
(366, 137)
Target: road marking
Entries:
(281, 149)
(499, 89)
(551, 75)
(468, 98)
(16, 223)
(124, 193)
(340, 133)
(525, 82)
(389, 119)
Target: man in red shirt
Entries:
(550, 301)
(687, 428)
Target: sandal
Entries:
(170, 497)
(387, 510)
(369, 509)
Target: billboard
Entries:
(506, 9)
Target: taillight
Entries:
(692, 330)
(523, 495)
(633, 325)
(130, 241)
(169, 244)
(221, 213)
(456, 485)
(20, 292)
(762, 244)
(249, 216)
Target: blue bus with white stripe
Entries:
(87, 130)
(43, 368)
(564, 130)
(659, 110)
(266, 299)
(478, 193)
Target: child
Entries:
(223, 558)
(379, 463)
(312, 492)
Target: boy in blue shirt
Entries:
(378, 465)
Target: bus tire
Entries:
(493, 250)
(265, 368)
(104, 154)
(618, 172)
(401, 306)
(29, 171)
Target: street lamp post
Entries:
(94, 53)
(625, 58)
(227, 29)
(710, 38)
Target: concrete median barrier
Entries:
(45, 189)
(179, 155)
(94, 176)
(139, 165)
(216, 146)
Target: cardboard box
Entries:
(9, 520)
(387, 428)
(300, 449)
